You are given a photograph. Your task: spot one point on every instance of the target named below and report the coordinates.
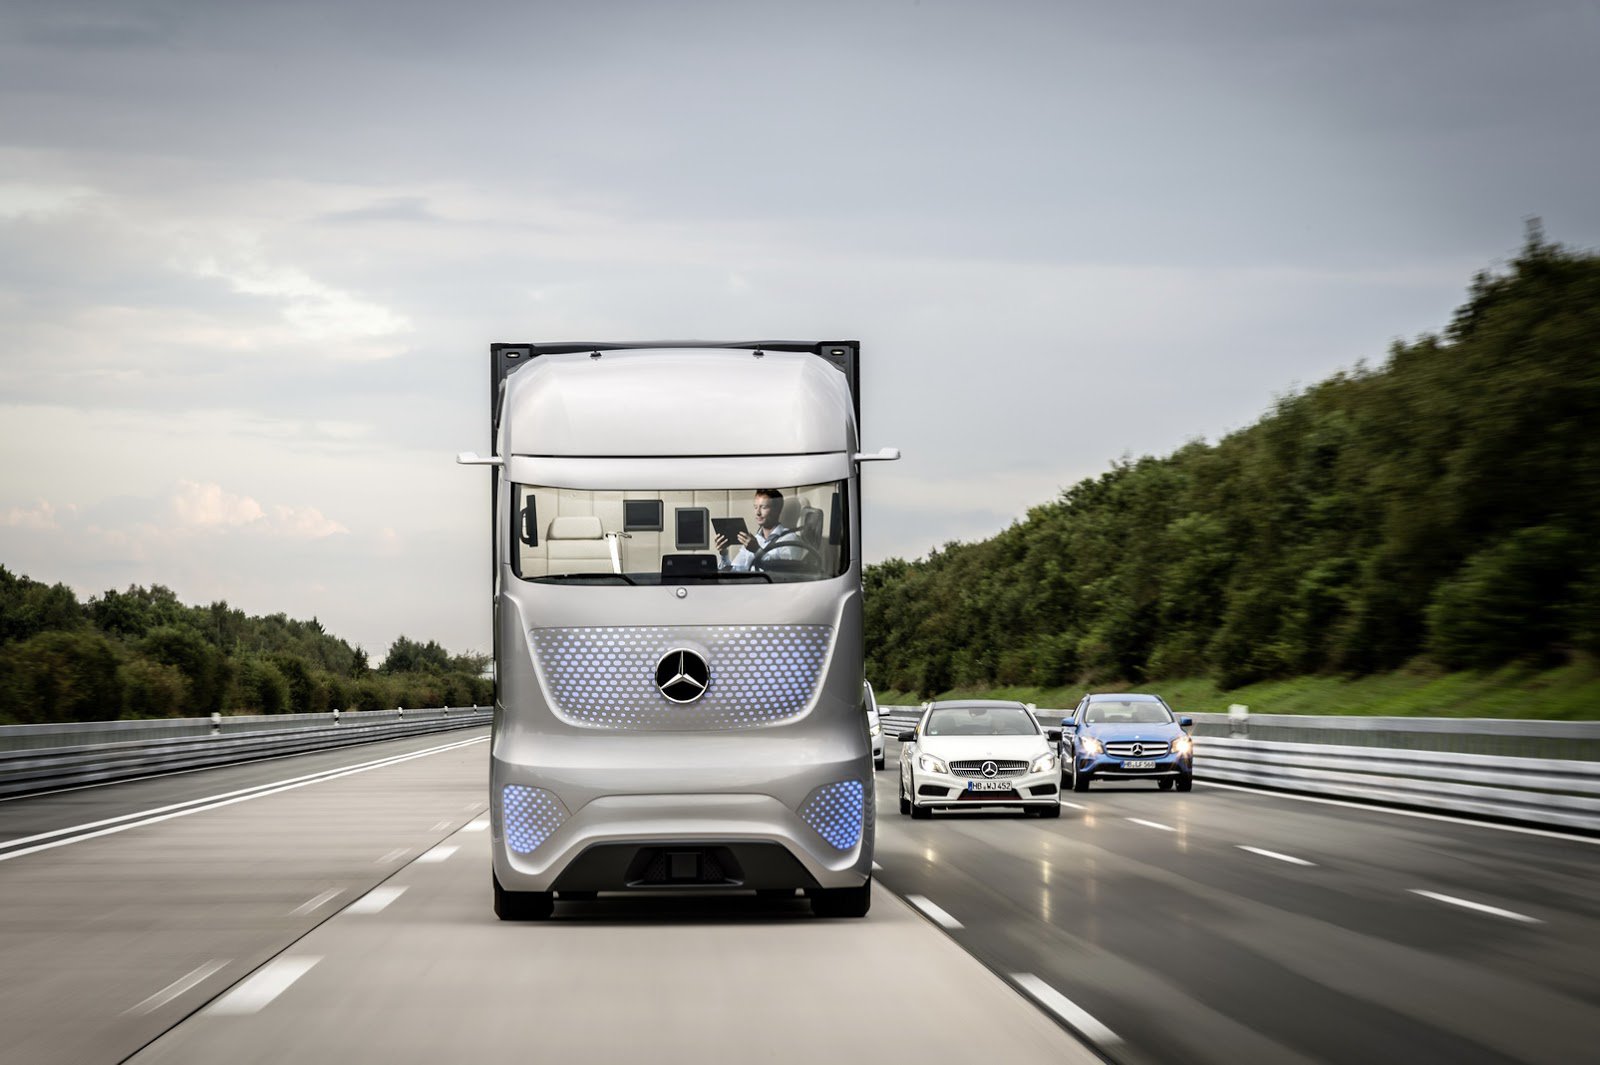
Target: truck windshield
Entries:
(770, 535)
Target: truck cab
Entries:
(677, 623)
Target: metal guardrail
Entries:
(58, 756)
(1481, 767)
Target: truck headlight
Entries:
(929, 764)
(1090, 745)
(1043, 764)
(1182, 745)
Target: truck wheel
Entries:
(522, 905)
(842, 902)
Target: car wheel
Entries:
(1165, 785)
(1051, 811)
(842, 902)
(1080, 781)
(921, 813)
(522, 905)
(1185, 783)
(905, 803)
(881, 762)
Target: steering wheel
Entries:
(811, 560)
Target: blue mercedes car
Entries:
(1126, 737)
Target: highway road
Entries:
(336, 908)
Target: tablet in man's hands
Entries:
(731, 528)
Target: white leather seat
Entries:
(577, 544)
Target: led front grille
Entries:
(531, 814)
(835, 812)
(605, 677)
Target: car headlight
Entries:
(1043, 764)
(1090, 745)
(1182, 745)
(929, 764)
(875, 730)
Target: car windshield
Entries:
(1129, 711)
(980, 721)
(774, 535)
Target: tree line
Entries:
(143, 654)
(1443, 506)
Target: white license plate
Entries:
(1138, 765)
(988, 785)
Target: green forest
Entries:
(1437, 512)
(142, 654)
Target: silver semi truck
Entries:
(677, 623)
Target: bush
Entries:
(150, 689)
(61, 676)
(1499, 605)
(259, 688)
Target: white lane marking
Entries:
(439, 826)
(1074, 805)
(376, 900)
(1291, 859)
(393, 856)
(184, 809)
(270, 981)
(177, 987)
(1373, 808)
(1066, 1009)
(1150, 824)
(438, 854)
(316, 903)
(934, 910)
(476, 826)
(1480, 907)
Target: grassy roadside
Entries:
(1570, 692)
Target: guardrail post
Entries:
(400, 712)
(336, 715)
(1239, 720)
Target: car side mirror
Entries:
(1069, 726)
(1185, 722)
(1053, 735)
(907, 737)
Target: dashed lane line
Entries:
(437, 854)
(183, 983)
(935, 911)
(375, 901)
(1291, 859)
(1480, 907)
(317, 902)
(1150, 824)
(266, 984)
(1076, 1016)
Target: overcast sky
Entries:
(252, 256)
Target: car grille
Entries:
(1147, 749)
(1002, 767)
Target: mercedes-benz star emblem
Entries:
(1138, 749)
(990, 769)
(682, 675)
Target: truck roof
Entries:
(648, 400)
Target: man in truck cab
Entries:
(768, 508)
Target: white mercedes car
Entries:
(973, 752)
(874, 724)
